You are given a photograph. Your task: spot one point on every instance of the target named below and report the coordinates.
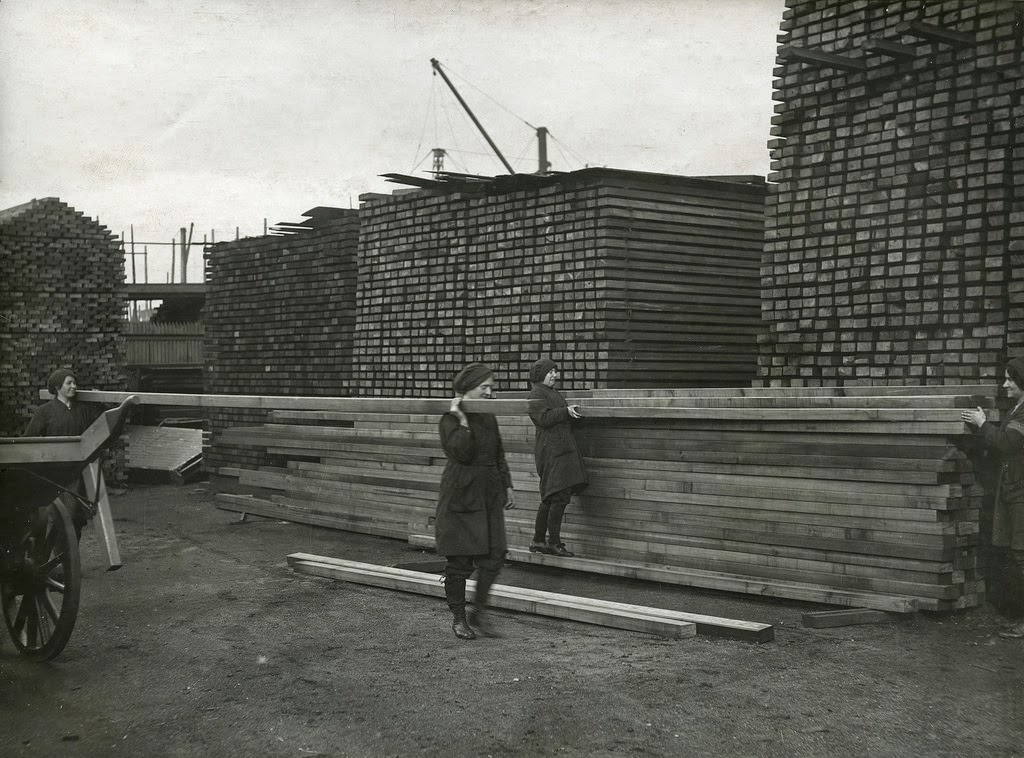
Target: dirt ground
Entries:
(206, 643)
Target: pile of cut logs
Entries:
(62, 304)
(624, 278)
(894, 232)
(279, 317)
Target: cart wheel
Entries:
(40, 596)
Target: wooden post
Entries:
(96, 491)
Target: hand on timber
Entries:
(456, 408)
(975, 416)
(511, 499)
(575, 411)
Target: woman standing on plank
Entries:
(559, 463)
(1006, 440)
(476, 488)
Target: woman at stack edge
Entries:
(476, 488)
(1006, 441)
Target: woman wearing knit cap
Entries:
(64, 416)
(1006, 440)
(476, 488)
(558, 459)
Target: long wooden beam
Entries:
(617, 615)
(874, 420)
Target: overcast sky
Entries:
(224, 113)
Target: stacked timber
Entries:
(856, 496)
(279, 318)
(893, 230)
(624, 278)
(62, 304)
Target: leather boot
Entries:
(461, 628)
(455, 594)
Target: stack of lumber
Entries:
(854, 496)
(624, 278)
(279, 317)
(893, 217)
(62, 304)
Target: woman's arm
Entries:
(457, 440)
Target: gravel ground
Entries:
(206, 643)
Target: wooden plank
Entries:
(385, 405)
(820, 58)
(845, 617)
(615, 615)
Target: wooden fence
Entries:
(156, 344)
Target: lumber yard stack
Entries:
(624, 278)
(279, 318)
(857, 497)
(894, 234)
(62, 304)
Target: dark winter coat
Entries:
(474, 488)
(557, 456)
(54, 419)
(1006, 439)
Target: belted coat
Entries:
(559, 463)
(1006, 439)
(470, 518)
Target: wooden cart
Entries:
(41, 480)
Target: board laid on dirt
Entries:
(637, 618)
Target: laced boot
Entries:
(462, 628)
(455, 594)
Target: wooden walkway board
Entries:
(616, 615)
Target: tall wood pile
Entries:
(894, 217)
(61, 304)
(279, 318)
(856, 496)
(624, 278)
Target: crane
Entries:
(542, 132)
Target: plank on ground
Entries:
(616, 615)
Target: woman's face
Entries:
(1013, 391)
(483, 390)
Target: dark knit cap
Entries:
(57, 379)
(471, 376)
(1015, 368)
(540, 369)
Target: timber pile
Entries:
(624, 278)
(279, 317)
(894, 215)
(62, 304)
(856, 497)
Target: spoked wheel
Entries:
(40, 591)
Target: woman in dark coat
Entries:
(1006, 440)
(558, 459)
(476, 488)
